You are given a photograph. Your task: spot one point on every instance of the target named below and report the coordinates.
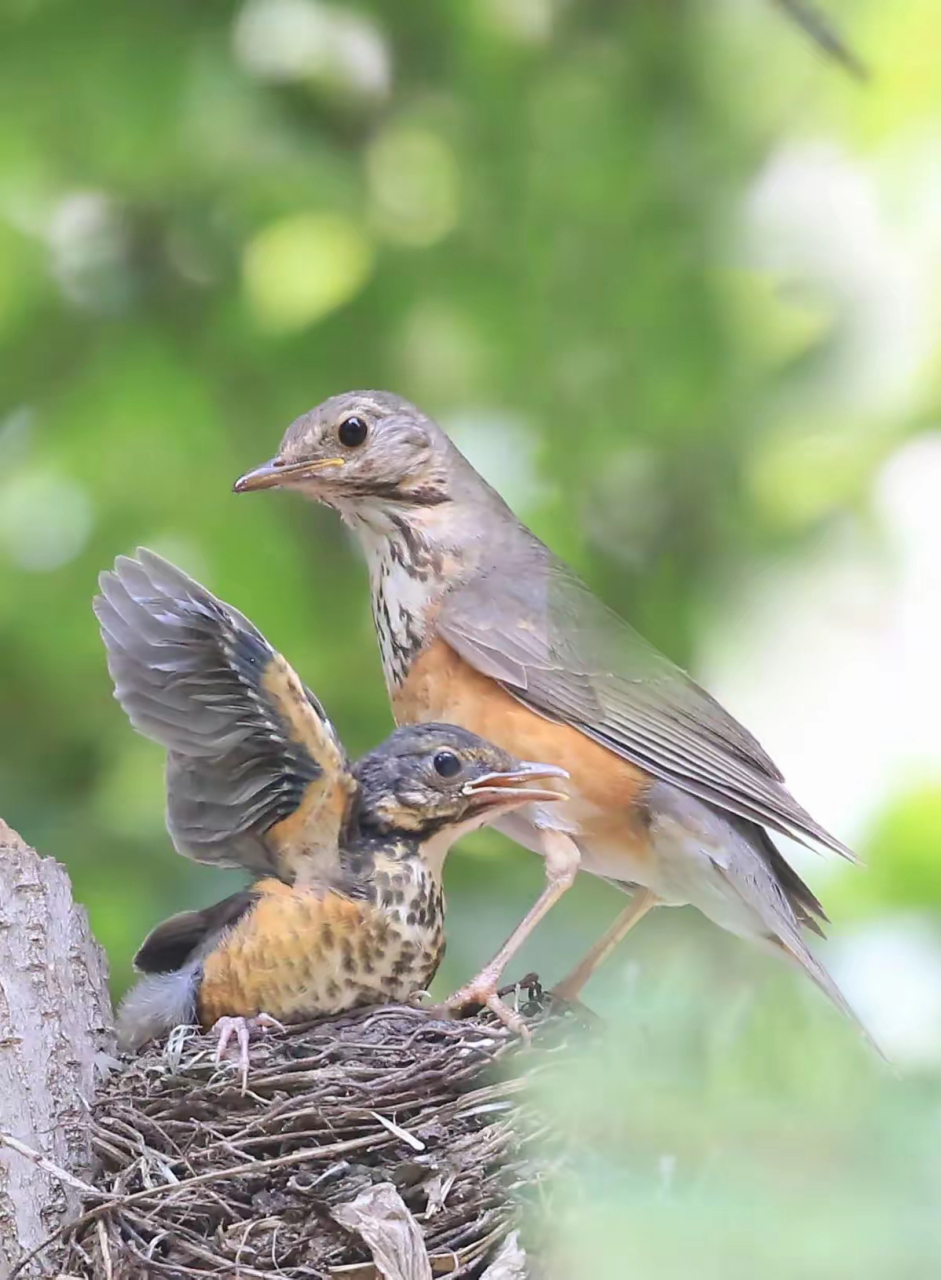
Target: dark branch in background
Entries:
(824, 34)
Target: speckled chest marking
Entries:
(408, 575)
(300, 952)
(412, 900)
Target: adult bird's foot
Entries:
(561, 1002)
(566, 992)
(242, 1029)
(483, 994)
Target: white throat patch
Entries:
(405, 580)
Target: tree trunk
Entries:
(55, 1024)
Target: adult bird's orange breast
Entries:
(607, 793)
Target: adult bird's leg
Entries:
(242, 1028)
(640, 903)
(562, 859)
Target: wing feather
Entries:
(539, 631)
(256, 775)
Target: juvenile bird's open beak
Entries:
(277, 472)
(516, 786)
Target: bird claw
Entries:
(485, 994)
(419, 998)
(510, 1018)
(242, 1029)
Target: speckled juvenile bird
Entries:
(481, 625)
(347, 905)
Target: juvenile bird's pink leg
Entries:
(562, 859)
(242, 1029)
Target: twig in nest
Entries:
(37, 1158)
(197, 1179)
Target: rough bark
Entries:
(55, 1022)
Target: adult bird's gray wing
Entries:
(531, 624)
(256, 775)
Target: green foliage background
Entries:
(529, 222)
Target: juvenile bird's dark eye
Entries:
(447, 764)
(352, 432)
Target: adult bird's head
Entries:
(436, 782)
(361, 449)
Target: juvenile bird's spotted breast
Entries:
(298, 953)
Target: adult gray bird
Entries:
(480, 625)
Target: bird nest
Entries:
(387, 1142)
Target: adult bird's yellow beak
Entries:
(270, 475)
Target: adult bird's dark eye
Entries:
(447, 764)
(352, 432)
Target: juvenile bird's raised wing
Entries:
(531, 624)
(256, 775)
(183, 937)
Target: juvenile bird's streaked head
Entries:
(436, 781)
(359, 447)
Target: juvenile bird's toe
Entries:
(242, 1029)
